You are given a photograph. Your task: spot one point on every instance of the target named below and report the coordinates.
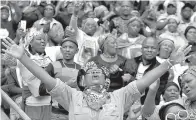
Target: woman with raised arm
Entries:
(94, 102)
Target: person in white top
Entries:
(36, 106)
(87, 37)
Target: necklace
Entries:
(68, 67)
(109, 56)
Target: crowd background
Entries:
(126, 38)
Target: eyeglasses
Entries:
(182, 115)
(94, 71)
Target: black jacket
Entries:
(132, 67)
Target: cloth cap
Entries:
(71, 39)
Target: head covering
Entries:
(30, 35)
(99, 10)
(103, 40)
(164, 108)
(188, 28)
(174, 17)
(71, 39)
(135, 19)
(51, 6)
(171, 84)
(162, 40)
(172, 3)
(8, 8)
(5, 7)
(191, 70)
(92, 64)
(87, 20)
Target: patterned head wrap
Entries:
(31, 34)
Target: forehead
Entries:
(135, 22)
(150, 42)
(174, 109)
(172, 20)
(192, 30)
(40, 36)
(68, 43)
(4, 9)
(188, 76)
(172, 87)
(126, 3)
(49, 6)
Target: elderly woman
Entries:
(111, 61)
(53, 28)
(87, 36)
(172, 32)
(94, 102)
(129, 45)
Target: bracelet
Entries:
(170, 64)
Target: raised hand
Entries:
(178, 56)
(69, 31)
(12, 48)
(77, 7)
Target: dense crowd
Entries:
(98, 60)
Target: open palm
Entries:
(179, 55)
(12, 48)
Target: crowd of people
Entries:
(98, 60)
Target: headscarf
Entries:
(8, 8)
(30, 35)
(174, 17)
(135, 18)
(103, 40)
(191, 70)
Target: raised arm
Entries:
(149, 104)
(177, 57)
(74, 17)
(19, 53)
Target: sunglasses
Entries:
(181, 115)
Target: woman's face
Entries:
(110, 46)
(90, 27)
(173, 111)
(70, 7)
(94, 76)
(48, 11)
(171, 93)
(39, 43)
(172, 25)
(188, 84)
(4, 14)
(165, 49)
(191, 35)
(134, 28)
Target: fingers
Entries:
(6, 51)
(10, 40)
(7, 43)
(187, 49)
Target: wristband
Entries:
(170, 64)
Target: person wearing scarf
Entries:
(94, 102)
